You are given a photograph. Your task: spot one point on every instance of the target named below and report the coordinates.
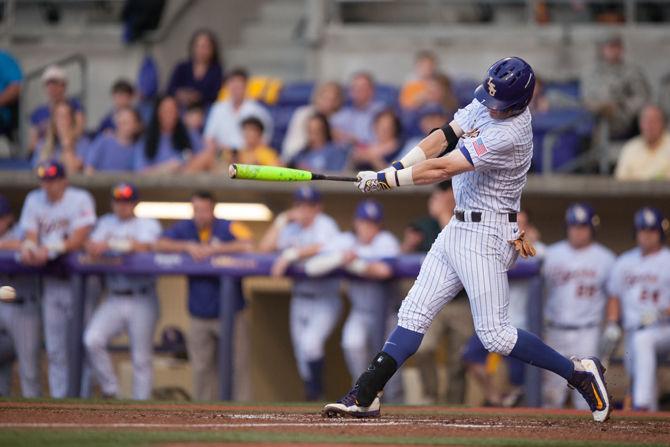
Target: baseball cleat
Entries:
(589, 380)
(347, 407)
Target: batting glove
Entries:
(370, 181)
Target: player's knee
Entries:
(353, 338)
(498, 339)
(313, 350)
(93, 342)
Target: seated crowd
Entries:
(207, 117)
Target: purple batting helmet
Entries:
(508, 85)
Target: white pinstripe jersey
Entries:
(501, 151)
(575, 280)
(642, 284)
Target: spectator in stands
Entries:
(353, 124)
(386, 145)
(547, 100)
(615, 90)
(11, 78)
(198, 79)
(327, 100)
(254, 151)
(19, 317)
(647, 156)
(54, 80)
(116, 151)
(167, 143)
(123, 96)
(201, 238)
(223, 130)
(413, 93)
(61, 141)
(320, 153)
(430, 117)
(194, 118)
(440, 92)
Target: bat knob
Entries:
(232, 171)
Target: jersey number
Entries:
(650, 295)
(586, 292)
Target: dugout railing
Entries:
(230, 269)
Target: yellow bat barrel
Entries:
(268, 173)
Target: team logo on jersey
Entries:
(479, 146)
(491, 86)
(471, 133)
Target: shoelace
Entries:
(349, 399)
(585, 387)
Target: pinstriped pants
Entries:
(474, 256)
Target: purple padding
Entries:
(406, 266)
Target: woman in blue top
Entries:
(167, 144)
(199, 78)
(115, 151)
(320, 154)
(62, 141)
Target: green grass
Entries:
(30, 438)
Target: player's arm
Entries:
(437, 143)
(76, 240)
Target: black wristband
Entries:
(451, 137)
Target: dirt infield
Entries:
(190, 424)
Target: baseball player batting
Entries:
(639, 287)
(487, 150)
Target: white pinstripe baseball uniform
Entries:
(575, 281)
(477, 255)
(642, 285)
(55, 222)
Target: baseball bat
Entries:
(280, 174)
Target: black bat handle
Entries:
(334, 178)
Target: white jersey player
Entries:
(19, 316)
(639, 287)
(300, 233)
(575, 274)
(131, 303)
(56, 219)
(361, 253)
(487, 150)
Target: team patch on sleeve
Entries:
(479, 146)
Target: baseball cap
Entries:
(5, 209)
(307, 194)
(125, 192)
(54, 73)
(370, 210)
(50, 170)
(581, 214)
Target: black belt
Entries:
(130, 292)
(568, 327)
(476, 216)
